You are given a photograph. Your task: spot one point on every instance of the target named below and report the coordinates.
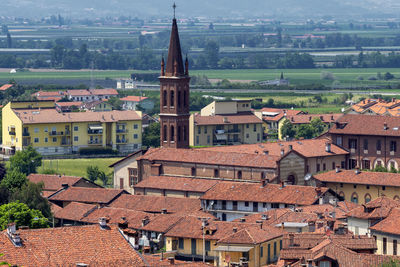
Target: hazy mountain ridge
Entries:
(188, 8)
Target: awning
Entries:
(233, 248)
(221, 137)
(96, 127)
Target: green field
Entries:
(84, 74)
(77, 167)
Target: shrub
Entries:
(326, 75)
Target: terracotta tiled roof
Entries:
(177, 183)
(376, 209)
(161, 223)
(6, 86)
(87, 195)
(53, 182)
(368, 178)
(67, 246)
(109, 91)
(252, 235)
(74, 211)
(307, 118)
(239, 118)
(46, 94)
(357, 124)
(307, 148)
(270, 193)
(133, 98)
(68, 104)
(51, 115)
(155, 204)
(92, 104)
(211, 157)
(114, 215)
(280, 115)
(155, 260)
(78, 92)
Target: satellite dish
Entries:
(307, 177)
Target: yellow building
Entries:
(224, 123)
(360, 186)
(387, 233)
(224, 243)
(50, 132)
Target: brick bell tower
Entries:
(174, 95)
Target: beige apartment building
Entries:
(225, 123)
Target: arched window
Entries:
(341, 194)
(172, 98)
(291, 179)
(172, 136)
(367, 198)
(184, 99)
(165, 133)
(179, 134)
(354, 198)
(164, 98)
(179, 99)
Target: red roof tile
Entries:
(252, 235)
(368, 178)
(133, 98)
(68, 104)
(375, 209)
(53, 182)
(155, 204)
(67, 246)
(109, 91)
(87, 195)
(307, 118)
(6, 86)
(390, 224)
(239, 118)
(270, 193)
(177, 183)
(74, 211)
(211, 157)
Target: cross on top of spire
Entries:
(174, 7)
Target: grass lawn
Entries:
(77, 167)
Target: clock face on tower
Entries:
(174, 96)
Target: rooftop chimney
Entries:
(13, 234)
(263, 183)
(282, 184)
(242, 219)
(282, 152)
(171, 260)
(337, 168)
(234, 229)
(144, 221)
(385, 127)
(264, 217)
(357, 171)
(290, 147)
(225, 120)
(164, 211)
(328, 147)
(103, 222)
(65, 186)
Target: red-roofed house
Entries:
(6, 87)
(131, 102)
(225, 122)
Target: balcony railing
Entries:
(233, 131)
(93, 142)
(26, 134)
(11, 132)
(66, 143)
(122, 130)
(99, 132)
(122, 141)
(55, 133)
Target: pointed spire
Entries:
(174, 52)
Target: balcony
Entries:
(11, 132)
(55, 133)
(233, 131)
(122, 130)
(122, 141)
(66, 143)
(95, 142)
(26, 134)
(95, 132)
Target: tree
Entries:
(92, 173)
(21, 215)
(305, 131)
(31, 195)
(151, 135)
(287, 129)
(388, 76)
(26, 161)
(14, 180)
(115, 102)
(103, 177)
(9, 40)
(317, 126)
(211, 51)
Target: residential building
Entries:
(344, 250)
(360, 219)
(231, 200)
(206, 164)
(126, 84)
(96, 105)
(53, 183)
(386, 233)
(49, 95)
(5, 87)
(50, 132)
(225, 122)
(126, 172)
(361, 186)
(297, 159)
(87, 95)
(174, 186)
(301, 119)
(371, 140)
(92, 245)
(223, 243)
(271, 118)
(376, 107)
(99, 196)
(131, 103)
(174, 96)
(68, 106)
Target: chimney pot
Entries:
(242, 219)
(234, 229)
(282, 152)
(357, 171)
(290, 147)
(385, 126)
(103, 222)
(171, 260)
(282, 184)
(337, 169)
(164, 211)
(328, 147)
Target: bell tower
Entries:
(174, 95)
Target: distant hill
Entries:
(187, 8)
